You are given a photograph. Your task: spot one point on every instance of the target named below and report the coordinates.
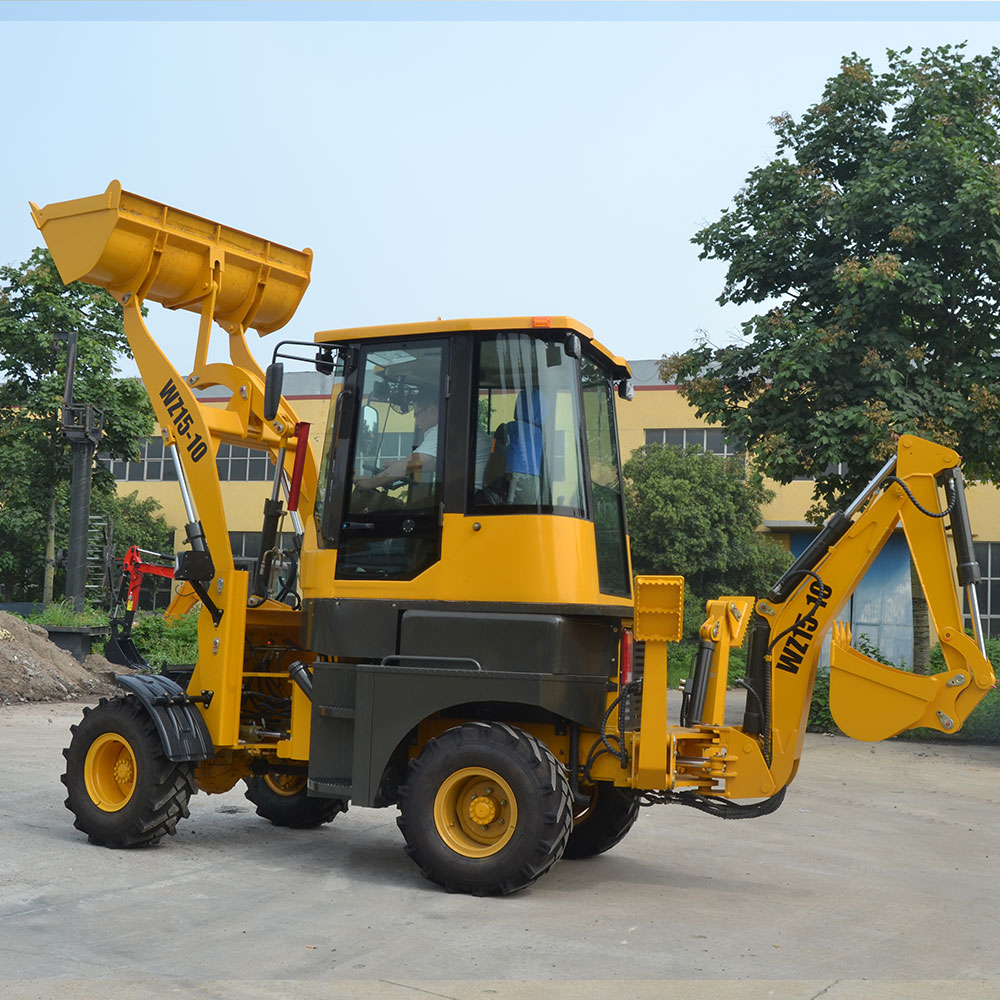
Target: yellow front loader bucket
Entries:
(132, 245)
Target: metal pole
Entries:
(82, 451)
(82, 425)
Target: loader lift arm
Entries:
(142, 250)
(869, 700)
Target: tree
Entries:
(698, 515)
(138, 521)
(872, 242)
(34, 458)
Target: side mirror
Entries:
(625, 389)
(324, 360)
(272, 389)
(572, 345)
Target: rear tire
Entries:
(284, 800)
(612, 812)
(486, 809)
(123, 790)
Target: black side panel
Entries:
(352, 629)
(352, 743)
(543, 644)
(180, 726)
(368, 628)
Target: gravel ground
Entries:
(876, 879)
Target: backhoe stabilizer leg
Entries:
(703, 755)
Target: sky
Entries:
(440, 159)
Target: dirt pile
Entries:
(33, 668)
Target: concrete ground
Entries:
(878, 878)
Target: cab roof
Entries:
(445, 326)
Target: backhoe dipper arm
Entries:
(869, 700)
(134, 568)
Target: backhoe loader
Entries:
(463, 641)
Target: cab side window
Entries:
(527, 428)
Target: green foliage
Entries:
(159, 640)
(162, 641)
(34, 457)
(983, 723)
(681, 661)
(697, 515)
(820, 716)
(864, 645)
(137, 521)
(876, 231)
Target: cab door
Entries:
(390, 527)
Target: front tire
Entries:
(486, 809)
(610, 814)
(123, 790)
(283, 799)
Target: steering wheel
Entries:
(382, 498)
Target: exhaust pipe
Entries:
(299, 673)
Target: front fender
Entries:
(182, 729)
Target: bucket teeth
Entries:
(842, 633)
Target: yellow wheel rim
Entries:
(285, 784)
(110, 772)
(475, 812)
(583, 813)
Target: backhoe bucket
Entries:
(129, 244)
(123, 651)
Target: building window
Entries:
(395, 445)
(246, 549)
(235, 463)
(988, 589)
(242, 465)
(838, 468)
(152, 465)
(707, 439)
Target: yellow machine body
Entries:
(143, 250)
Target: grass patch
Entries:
(160, 641)
(60, 614)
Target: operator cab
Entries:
(488, 419)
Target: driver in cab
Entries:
(421, 465)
